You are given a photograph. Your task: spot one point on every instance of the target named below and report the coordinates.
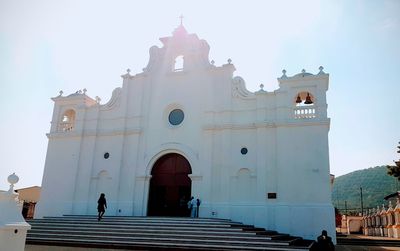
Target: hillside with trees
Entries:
(375, 183)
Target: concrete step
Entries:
(154, 245)
(158, 233)
(175, 239)
(137, 227)
(138, 224)
(148, 231)
(225, 237)
(148, 219)
(143, 230)
(145, 218)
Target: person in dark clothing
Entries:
(324, 242)
(101, 206)
(198, 202)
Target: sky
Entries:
(48, 46)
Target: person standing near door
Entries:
(193, 207)
(101, 206)
(198, 202)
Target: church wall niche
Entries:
(242, 192)
(102, 182)
(243, 186)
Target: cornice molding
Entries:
(292, 123)
(94, 133)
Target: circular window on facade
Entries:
(106, 155)
(176, 117)
(244, 150)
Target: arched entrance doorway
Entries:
(169, 184)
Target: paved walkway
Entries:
(361, 236)
(361, 248)
(366, 248)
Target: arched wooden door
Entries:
(170, 186)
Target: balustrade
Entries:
(304, 112)
(66, 126)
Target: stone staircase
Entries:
(158, 233)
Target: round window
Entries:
(244, 150)
(176, 117)
(106, 155)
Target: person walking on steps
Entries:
(101, 206)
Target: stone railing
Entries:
(65, 126)
(382, 222)
(304, 112)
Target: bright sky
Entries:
(48, 46)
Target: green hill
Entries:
(375, 183)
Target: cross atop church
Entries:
(181, 17)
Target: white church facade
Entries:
(176, 130)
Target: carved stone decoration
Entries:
(239, 89)
(155, 54)
(114, 100)
(203, 52)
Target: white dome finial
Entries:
(12, 179)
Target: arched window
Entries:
(67, 122)
(304, 105)
(304, 99)
(179, 63)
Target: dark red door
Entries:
(170, 186)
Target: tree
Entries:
(395, 170)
